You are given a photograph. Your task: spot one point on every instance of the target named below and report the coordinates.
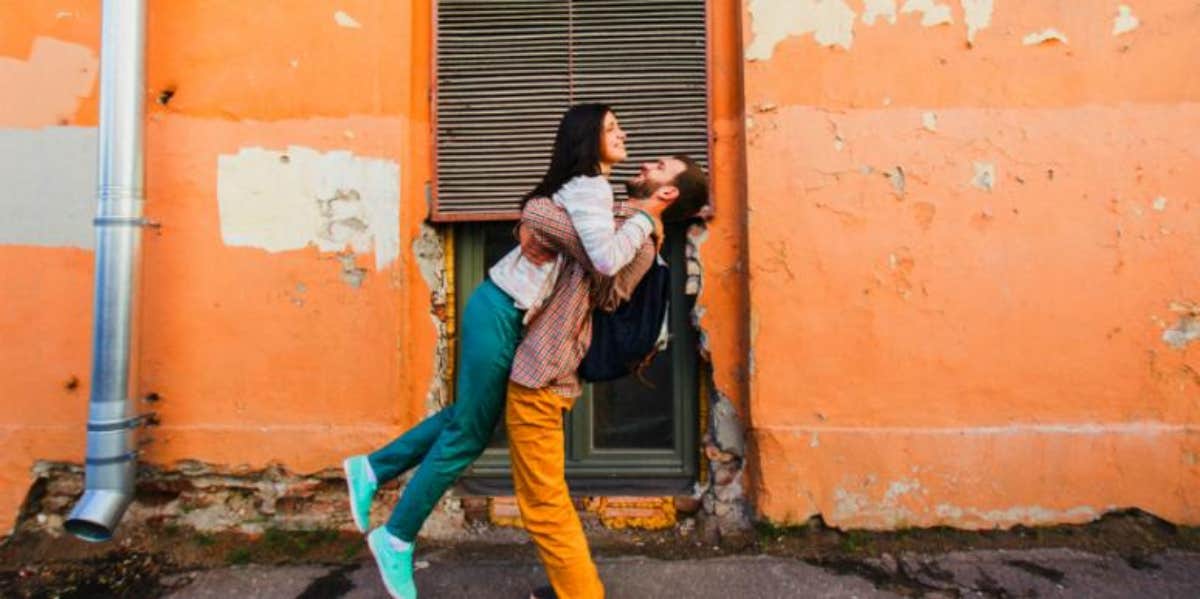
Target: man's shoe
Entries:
(395, 566)
(361, 486)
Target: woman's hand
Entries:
(654, 207)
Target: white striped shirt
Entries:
(589, 203)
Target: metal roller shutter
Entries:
(508, 69)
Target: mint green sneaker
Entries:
(395, 565)
(361, 485)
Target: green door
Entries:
(633, 435)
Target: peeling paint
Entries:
(874, 9)
(929, 121)
(345, 20)
(1019, 515)
(899, 488)
(52, 83)
(49, 192)
(1125, 21)
(697, 234)
(726, 514)
(1160, 203)
(279, 201)
(727, 427)
(1184, 332)
(860, 508)
(352, 274)
(1043, 37)
(830, 21)
(978, 16)
(429, 251)
(932, 14)
(899, 181)
(985, 175)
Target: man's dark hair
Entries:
(576, 149)
(692, 184)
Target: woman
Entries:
(589, 142)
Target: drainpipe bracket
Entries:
(129, 456)
(125, 221)
(105, 426)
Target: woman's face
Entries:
(612, 141)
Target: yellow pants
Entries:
(535, 440)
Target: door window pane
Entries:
(636, 413)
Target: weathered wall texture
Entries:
(283, 317)
(293, 298)
(973, 276)
(955, 285)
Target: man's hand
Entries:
(531, 249)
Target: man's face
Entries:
(653, 175)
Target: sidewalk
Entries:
(1123, 554)
(991, 573)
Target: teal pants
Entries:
(444, 444)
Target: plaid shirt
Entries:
(559, 334)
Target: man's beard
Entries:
(640, 189)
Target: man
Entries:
(543, 383)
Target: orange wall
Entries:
(949, 350)
(259, 356)
(264, 356)
(932, 352)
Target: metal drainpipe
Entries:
(111, 464)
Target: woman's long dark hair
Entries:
(576, 149)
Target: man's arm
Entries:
(609, 292)
(551, 227)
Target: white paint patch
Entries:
(929, 121)
(985, 175)
(830, 21)
(1125, 21)
(1140, 429)
(852, 504)
(279, 201)
(49, 189)
(899, 181)
(874, 9)
(1017, 515)
(47, 89)
(1045, 36)
(978, 15)
(1184, 333)
(933, 14)
(345, 20)
(1160, 203)
(899, 488)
